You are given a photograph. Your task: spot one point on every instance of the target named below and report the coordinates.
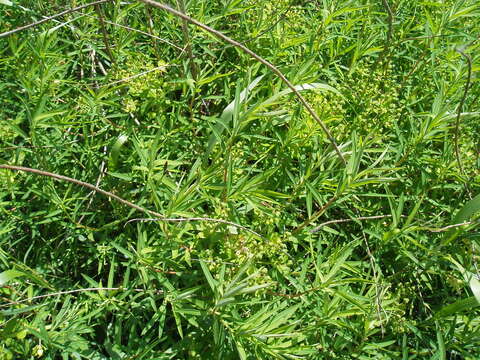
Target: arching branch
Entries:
(36, 23)
(158, 216)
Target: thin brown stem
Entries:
(159, 217)
(272, 67)
(66, 292)
(388, 40)
(460, 107)
(148, 12)
(36, 23)
(448, 227)
(129, 28)
(390, 19)
(106, 40)
(188, 43)
(316, 215)
(419, 61)
(361, 218)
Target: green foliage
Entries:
(228, 141)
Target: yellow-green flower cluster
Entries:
(374, 103)
(144, 81)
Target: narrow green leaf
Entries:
(8, 275)
(208, 276)
(469, 11)
(209, 79)
(468, 210)
(235, 291)
(44, 116)
(458, 306)
(228, 113)
(253, 288)
(441, 343)
(340, 260)
(241, 351)
(404, 347)
(125, 177)
(111, 274)
(225, 301)
(187, 293)
(374, 346)
(280, 319)
(178, 321)
(115, 152)
(10, 312)
(237, 277)
(302, 87)
(475, 286)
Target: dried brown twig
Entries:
(106, 41)
(129, 28)
(36, 23)
(66, 292)
(188, 42)
(159, 217)
(388, 40)
(462, 102)
(361, 218)
(448, 227)
(316, 215)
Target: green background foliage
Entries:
(214, 134)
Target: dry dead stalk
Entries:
(36, 23)
(106, 41)
(158, 216)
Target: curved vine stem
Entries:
(36, 23)
(158, 216)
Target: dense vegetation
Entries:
(316, 258)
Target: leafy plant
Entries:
(259, 239)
